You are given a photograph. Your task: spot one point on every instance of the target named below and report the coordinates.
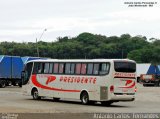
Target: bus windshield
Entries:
(123, 66)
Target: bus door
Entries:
(27, 73)
(124, 78)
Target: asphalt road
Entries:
(12, 101)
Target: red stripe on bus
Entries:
(36, 83)
(128, 82)
(131, 86)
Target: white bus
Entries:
(101, 80)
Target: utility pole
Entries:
(122, 53)
(39, 40)
(37, 48)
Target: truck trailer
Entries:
(11, 68)
(148, 74)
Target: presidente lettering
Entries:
(83, 80)
(125, 75)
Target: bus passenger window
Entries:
(96, 69)
(40, 68)
(83, 69)
(35, 68)
(67, 68)
(61, 68)
(46, 68)
(104, 68)
(55, 68)
(90, 68)
(78, 68)
(51, 68)
(72, 68)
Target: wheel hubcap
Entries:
(35, 95)
(84, 99)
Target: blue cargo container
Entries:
(153, 69)
(5, 67)
(10, 70)
(17, 67)
(158, 69)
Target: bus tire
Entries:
(56, 99)
(84, 98)
(35, 94)
(106, 103)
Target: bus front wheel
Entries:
(35, 94)
(84, 98)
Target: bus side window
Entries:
(61, 68)
(40, 68)
(104, 68)
(72, 68)
(90, 68)
(83, 68)
(78, 68)
(35, 69)
(67, 68)
(55, 69)
(46, 68)
(96, 69)
(51, 68)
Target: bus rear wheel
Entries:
(35, 94)
(84, 98)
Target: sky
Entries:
(26, 20)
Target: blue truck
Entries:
(11, 68)
(148, 74)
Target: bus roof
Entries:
(79, 60)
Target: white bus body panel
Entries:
(98, 89)
(67, 89)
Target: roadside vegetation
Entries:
(89, 46)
